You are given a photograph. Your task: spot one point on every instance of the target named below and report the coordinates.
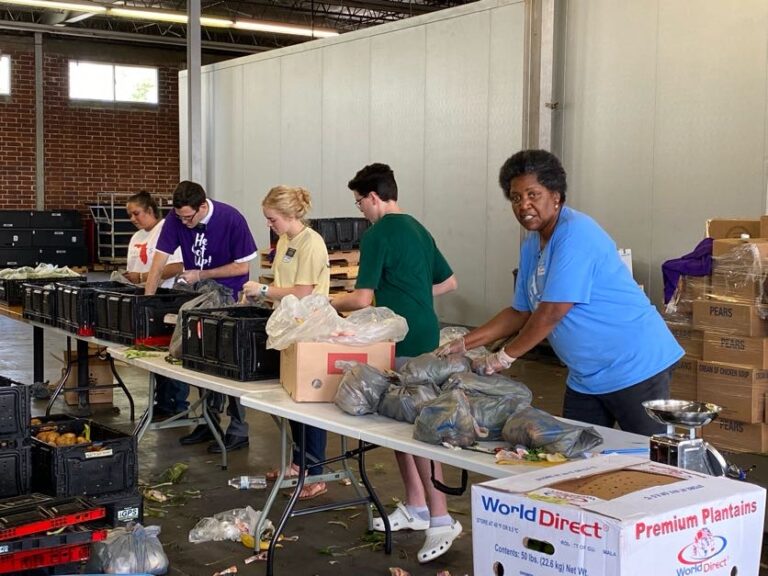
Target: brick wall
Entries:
(89, 148)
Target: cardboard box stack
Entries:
(722, 323)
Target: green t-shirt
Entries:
(400, 262)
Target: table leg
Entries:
(64, 377)
(121, 384)
(38, 369)
(214, 430)
(83, 399)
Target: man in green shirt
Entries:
(402, 268)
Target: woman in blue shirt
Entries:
(573, 289)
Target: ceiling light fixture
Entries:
(50, 4)
(176, 18)
(276, 28)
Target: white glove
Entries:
(492, 363)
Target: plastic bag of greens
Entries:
(403, 402)
(534, 428)
(447, 420)
(429, 367)
(492, 399)
(131, 550)
(361, 387)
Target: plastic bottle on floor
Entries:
(248, 482)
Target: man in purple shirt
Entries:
(216, 244)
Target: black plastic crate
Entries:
(108, 463)
(58, 238)
(76, 304)
(12, 290)
(34, 513)
(69, 535)
(14, 410)
(39, 302)
(69, 256)
(341, 233)
(13, 237)
(229, 342)
(134, 318)
(16, 257)
(15, 218)
(15, 470)
(55, 219)
(121, 508)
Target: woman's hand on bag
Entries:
(456, 346)
(252, 289)
(492, 363)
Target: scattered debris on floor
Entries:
(230, 570)
(175, 473)
(396, 571)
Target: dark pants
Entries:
(171, 395)
(623, 406)
(316, 439)
(237, 424)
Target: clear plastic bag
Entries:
(135, 549)
(229, 525)
(212, 295)
(403, 402)
(447, 420)
(450, 333)
(313, 319)
(534, 428)
(492, 399)
(361, 387)
(430, 368)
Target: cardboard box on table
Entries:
(99, 372)
(619, 516)
(308, 370)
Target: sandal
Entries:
(313, 491)
(401, 519)
(273, 475)
(439, 541)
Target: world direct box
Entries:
(616, 515)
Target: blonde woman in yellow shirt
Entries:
(300, 268)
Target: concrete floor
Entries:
(328, 543)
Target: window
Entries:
(112, 83)
(5, 75)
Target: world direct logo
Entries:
(705, 547)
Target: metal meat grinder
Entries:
(680, 446)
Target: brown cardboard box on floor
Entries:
(737, 436)
(683, 385)
(99, 372)
(739, 390)
(691, 340)
(730, 349)
(308, 370)
(733, 228)
(729, 317)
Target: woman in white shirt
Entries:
(170, 395)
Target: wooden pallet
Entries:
(337, 258)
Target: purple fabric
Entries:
(225, 239)
(696, 263)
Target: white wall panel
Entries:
(346, 96)
(505, 116)
(398, 63)
(225, 137)
(261, 141)
(456, 154)
(301, 140)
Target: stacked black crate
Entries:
(15, 457)
(29, 238)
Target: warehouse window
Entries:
(112, 83)
(5, 75)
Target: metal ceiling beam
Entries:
(126, 36)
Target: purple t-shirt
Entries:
(226, 238)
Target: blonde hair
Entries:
(290, 201)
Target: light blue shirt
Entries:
(612, 337)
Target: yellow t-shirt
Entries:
(302, 261)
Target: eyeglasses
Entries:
(190, 217)
(359, 200)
